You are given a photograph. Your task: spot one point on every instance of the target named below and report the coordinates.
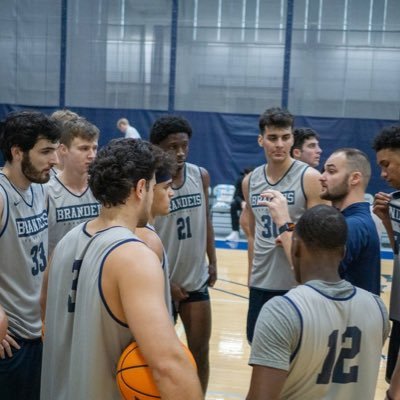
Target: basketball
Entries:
(134, 377)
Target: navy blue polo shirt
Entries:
(361, 265)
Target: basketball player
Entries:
(271, 272)
(161, 202)
(115, 292)
(387, 208)
(187, 234)
(306, 146)
(29, 141)
(315, 342)
(70, 201)
(345, 178)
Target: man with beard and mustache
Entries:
(29, 142)
(344, 180)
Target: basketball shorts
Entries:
(257, 298)
(201, 294)
(20, 374)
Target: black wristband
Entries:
(287, 227)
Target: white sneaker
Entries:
(233, 237)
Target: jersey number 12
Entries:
(334, 371)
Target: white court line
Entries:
(234, 301)
(223, 396)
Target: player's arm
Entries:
(393, 392)
(251, 225)
(1, 207)
(266, 383)
(3, 324)
(211, 254)
(276, 336)
(134, 289)
(245, 225)
(381, 209)
(43, 291)
(312, 188)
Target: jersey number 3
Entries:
(334, 371)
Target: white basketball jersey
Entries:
(184, 232)
(23, 256)
(167, 285)
(394, 211)
(67, 210)
(348, 333)
(271, 269)
(98, 336)
(59, 321)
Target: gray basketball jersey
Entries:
(98, 337)
(59, 321)
(350, 342)
(184, 232)
(23, 249)
(67, 210)
(394, 211)
(271, 269)
(165, 267)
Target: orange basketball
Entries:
(134, 377)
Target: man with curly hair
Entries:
(106, 289)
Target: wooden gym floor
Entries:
(229, 350)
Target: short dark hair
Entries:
(356, 160)
(168, 125)
(166, 163)
(24, 129)
(118, 167)
(387, 138)
(300, 136)
(322, 227)
(276, 117)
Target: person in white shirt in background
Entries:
(128, 130)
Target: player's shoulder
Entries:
(151, 239)
(53, 186)
(76, 234)
(132, 256)
(310, 172)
